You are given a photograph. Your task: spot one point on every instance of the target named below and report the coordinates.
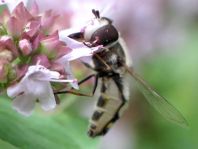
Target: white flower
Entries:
(79, 50)
(12, 3)
(35, 85)
(70, 75)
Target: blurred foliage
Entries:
(62, 130)
(174, 74)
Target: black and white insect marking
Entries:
(111, 66)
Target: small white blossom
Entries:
(70, 75)
(35, 85)
(79, 49)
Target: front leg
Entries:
(70, 91)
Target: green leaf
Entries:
(58, 130)
(6, 145)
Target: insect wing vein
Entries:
(159, 103)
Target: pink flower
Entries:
(53, 47)
(35, 57)
(48, 19)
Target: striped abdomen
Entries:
(110, 105)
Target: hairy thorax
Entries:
(110, 61)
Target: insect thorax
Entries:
(114, 57)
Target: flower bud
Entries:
(3, 71)
(6, 55)
(7, 43)
(25, 47)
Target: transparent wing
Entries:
(159, 102)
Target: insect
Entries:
(111, 67)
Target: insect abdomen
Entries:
(106, 113)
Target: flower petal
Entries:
(47, 99)
(14, 26)
(24, 104)
(15, 90)
(79, 53)
(38, 72)
(42, 59)
(34, 10)
(67, 32)
(48, 19)
(70, 75)
(79, 50)
(71, 43)
(21, 12)
(32, 27)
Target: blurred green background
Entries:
(175, 77)
(174, 73)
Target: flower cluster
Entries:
(32, 57)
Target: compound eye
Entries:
(105, 35)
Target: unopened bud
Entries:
(3, 71)
(25, 47)
(6, 55)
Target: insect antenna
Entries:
(96, 13)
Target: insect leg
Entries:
(88, 66)
(95, 84)
(87, 78)
(74, 93)
(79, 83)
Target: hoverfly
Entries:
(111, 67)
